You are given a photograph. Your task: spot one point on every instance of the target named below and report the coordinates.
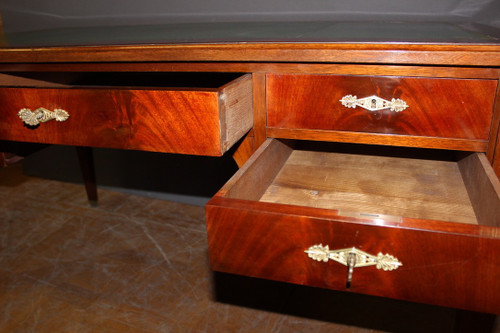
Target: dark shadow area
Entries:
(133, 79)
(380, 150)
(20, 148)
(345, 308)
(135, 170)
(16, 151)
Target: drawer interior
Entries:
(118, 79)
(371, 182)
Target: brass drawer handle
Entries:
(374, 103)
(41, 115)
(352, 258)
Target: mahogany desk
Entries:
(368, 151)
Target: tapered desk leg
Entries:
(86, 159)
(3, 160)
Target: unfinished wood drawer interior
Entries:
(437, 218)
(407, 111)
(201, 114)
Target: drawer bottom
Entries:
(373, 186)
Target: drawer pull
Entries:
(374, 103)
(41, 115)
(353, 258)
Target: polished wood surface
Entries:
(201, 121)
(496, 161)
(260, 107)
(455, 270)
(379, 139)
(97, 117)
(243, 67)
(495, 126)
(460, 109)
(383, 53)
(245, 149)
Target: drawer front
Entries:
(189, 121)
(96, 117)
(437, 268)
(430, 107)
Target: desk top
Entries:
(247, 32)
(351, 42)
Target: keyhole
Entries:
(351, 262)
(374, 103)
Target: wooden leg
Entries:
(7, 158)
(86, 159)
(245, 150)
(3, 160)
(259, 108)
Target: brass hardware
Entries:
(374, 103)
(353, 258)
(41, 115)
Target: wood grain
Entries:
(495, 127)
(444, 108)
(245, 150)
(483, 187)
(263, 67)
(175, 121)
(383, 53)
(373, 186)
(260, 109)
(494, 144)
(252, 180)
(236, 110)
(454, 270)
(379, 139)
(496, 160)
(97, 118)
(20, 81)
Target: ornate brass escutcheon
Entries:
(353, 258)
(374, 103)
(41, 115)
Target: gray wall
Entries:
(22, 15)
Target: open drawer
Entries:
(424, 230)
(198, 114)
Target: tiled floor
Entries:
(135, 264)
